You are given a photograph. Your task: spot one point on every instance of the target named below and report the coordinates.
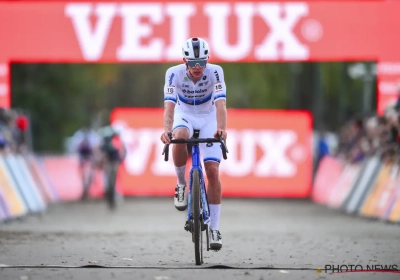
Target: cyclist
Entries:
(195, 98)
(85, 142)
(114, 152)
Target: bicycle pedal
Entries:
(187, 226)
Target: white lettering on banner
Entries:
(389, 68)
(3, 89)
(133, 31)
(279, 43)
(218, 29)
(160, 167)
(282, 31)
(241, 156)
(91, 42)
(274, 161)
(388, 87)
(139, 144)
(144, 149)
(180, 26)
(3, 69)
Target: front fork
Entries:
(205, 213)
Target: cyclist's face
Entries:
(196, 67)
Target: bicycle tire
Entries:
(196, 206)
(87, 179)
(111, 195)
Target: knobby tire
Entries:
(196, 205)
(111, 195)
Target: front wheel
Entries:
(196, 206)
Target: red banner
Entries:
(269, 154)
(237, 31)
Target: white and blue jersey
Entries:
(194, 98)
(195, 103)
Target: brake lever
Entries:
(166, 148)
(223, 142)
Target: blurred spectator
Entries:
(22, 125)
(14, 127)
(322, 148)
(373, 135)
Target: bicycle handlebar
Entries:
(195, 141)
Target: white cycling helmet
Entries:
(195, 48)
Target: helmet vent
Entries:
(196, 51)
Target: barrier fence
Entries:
(24, 186)
(28, 184)
(269, 156)
(368, 189)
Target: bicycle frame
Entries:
(196, 164)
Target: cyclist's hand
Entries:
(222, 133)
(165, 138)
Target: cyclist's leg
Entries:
(82, 172)
(212, 155)
(182, 129)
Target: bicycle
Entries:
(198, 216)
(87, 177)
(113, 159)
(111, 192)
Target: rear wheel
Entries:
(87, 178)
(112, 178)
(196, 206)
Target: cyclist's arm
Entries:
(168, 116)
(220, 98)
(170, 99)
(221, 114)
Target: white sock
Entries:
(215, 210)
(180, 172)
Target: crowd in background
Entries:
(367, 136)
(14, 131)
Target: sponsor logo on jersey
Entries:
(170, 78)
(194, 96)
(216, 75)
(195, 91)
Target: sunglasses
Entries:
(194, 62)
